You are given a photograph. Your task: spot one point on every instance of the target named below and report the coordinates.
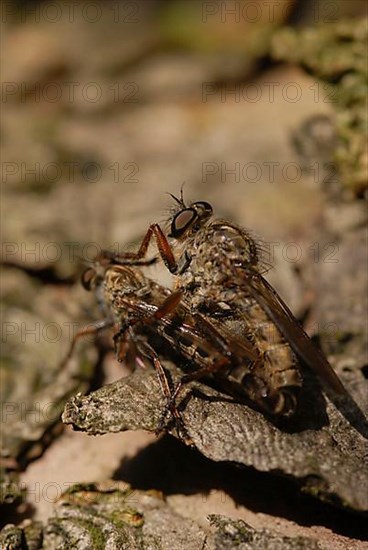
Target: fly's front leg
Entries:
(107, 258)
(148, 314)
(126, 348)
(144, 316)
(125, 345)
(163, 246)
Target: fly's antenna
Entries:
(180, 201)
(181, 194)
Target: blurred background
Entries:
(108, 105)
(258, 107)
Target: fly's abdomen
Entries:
(274, 380)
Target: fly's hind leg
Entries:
(170, 407)
(221, 363)
(134, 351)
(130, 348)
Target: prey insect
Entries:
(220, 273)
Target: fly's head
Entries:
(93, 276)
(104, 271)
(188, 220)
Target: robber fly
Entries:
(220, 273)
(151, 321)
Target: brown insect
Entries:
(151, 321)
(219, 272)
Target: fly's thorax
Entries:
(224, 243)
(114, 285)
(214, 256)
(216, 237)
(123, 277)
(123, 286)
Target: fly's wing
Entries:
(202, 332)
(298, 339)
(132, 305)
(225, 341)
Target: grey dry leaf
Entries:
(312, 448)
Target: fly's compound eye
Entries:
(182, 221)
(203, 208)
(88, 278)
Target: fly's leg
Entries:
(219, 364)
(220, 349)
(125, 340)
(169, 305)
(149, 316)
(164, 248)
(90, 330)
(107, 258)
(129, 350)
(126, 349)
(168, 393)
